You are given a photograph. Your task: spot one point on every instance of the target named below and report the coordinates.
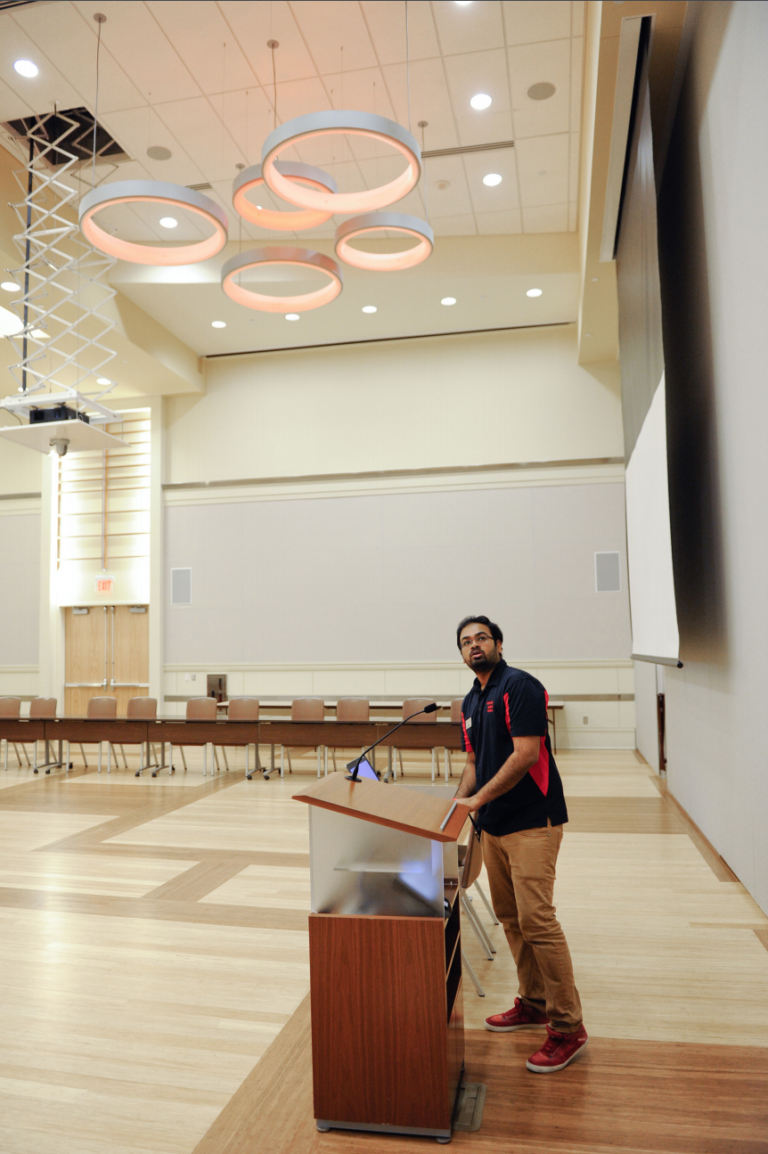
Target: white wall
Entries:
(646, 715)
(716, 704)
(444, 401)
(19, 598)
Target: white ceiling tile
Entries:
(49, 87)
(486, 129)
(546, 218)
(499, 223)
(136, 130)
(203, 137)
(474, 72)
(453, 200)
(577, 17)
(335, 34)
(142, 49)
(577, 68)
(296, 97)
(463, 225)
(63, 34)
(574, 162)
(502, 196)
(543, 167)
(573, 216)
(12, 106)
(468, 29)
(386, 26)
(528, 21)
(531, 65)
(429, 101)
(205, 44)
(254, 25)
(364, 90)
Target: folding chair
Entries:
(10, 707)
(104, 708)
(198, 709)
(350, 709)
(410, 706)
(304, 709)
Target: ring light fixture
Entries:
(293, 257)
(314, 125)
(152, 192)
(373, 222)
(282, 221)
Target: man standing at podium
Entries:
(511, 784)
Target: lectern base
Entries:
(385, 1128)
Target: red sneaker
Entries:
(558, 1050)
(520, 1017)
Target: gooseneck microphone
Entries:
(355, 764)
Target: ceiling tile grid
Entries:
(205, 89)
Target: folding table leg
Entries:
(99, 757)
(473, 976)
(205, 760)
(447, 764)
(434, 761)
(82, 751)
(247, 774)
(282, 752)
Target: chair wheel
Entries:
(37, 771)
(47, 771)
(154, 775)
(138, 773)
(248, 776)
(266, 777)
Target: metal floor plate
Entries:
(469, 1107)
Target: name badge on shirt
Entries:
(468, 723)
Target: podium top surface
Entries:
(391, 805)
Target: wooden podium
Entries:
(385, 957)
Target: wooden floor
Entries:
(154, 975)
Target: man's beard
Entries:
(482, 663)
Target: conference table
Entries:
(329, 734)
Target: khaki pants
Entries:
(521, 874)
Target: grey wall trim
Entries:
(20, 496)
(440, 470)
(387, 340)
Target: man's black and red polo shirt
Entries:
(513, 704)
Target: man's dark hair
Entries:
(491, 626)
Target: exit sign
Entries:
(105, 584)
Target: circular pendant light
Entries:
(372, 222)
(281, 221)
(292, 257)
(314, 125)
(152, 192)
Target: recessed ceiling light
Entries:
(26, 68)
(292, 316)
(218, 324)
(541, 91)
(481, 101)
(534, 293)
(159, 152)
(39, 334)
(103, 381)
(463, 3)
(448, 301)
(10, 286)
(492, 179)
(168, 221)
(594, 280)
(369, 308)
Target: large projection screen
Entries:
(655, 634)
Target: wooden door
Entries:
(129, 675)
(87, 654)
(106, 655)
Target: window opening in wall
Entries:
(607, 573)
(181, 586)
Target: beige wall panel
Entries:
(398, 405)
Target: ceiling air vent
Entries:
(204, 187)
(77, 123)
